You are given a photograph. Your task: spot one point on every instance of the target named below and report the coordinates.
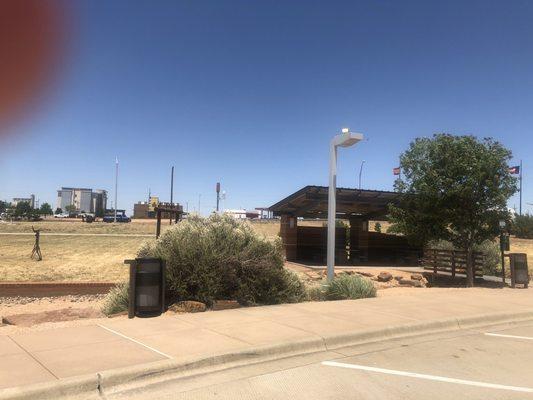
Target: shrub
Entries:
(522, 226)
(347, 286)
(116, 300)
(316, 293)
(377, 227)
(222, 258)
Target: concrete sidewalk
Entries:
(59, 354)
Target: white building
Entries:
(85, 200)
(30, 200)
(243, 214)
(237, 214)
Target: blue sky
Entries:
(249, 93)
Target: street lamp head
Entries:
(346, 138)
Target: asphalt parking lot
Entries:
(491, 363)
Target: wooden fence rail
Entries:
(451, 261)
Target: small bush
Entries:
(377, 227)
(116, 300)
(316, 293)
(347, 286)
(522, 226)
(222, 258)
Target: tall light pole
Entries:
(116, 187)
(345, 139)
(360, 172)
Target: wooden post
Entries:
(158, 228)
(453, 263)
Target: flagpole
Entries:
(520, 209)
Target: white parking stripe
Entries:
(428, 377)
(509, 336)
(136, 341)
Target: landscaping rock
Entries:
(364, 273)
(188, 306)
(384, 276)
(410, 282)
(64, 314)
(417, 277)
(225, 305)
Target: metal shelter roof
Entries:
(312, 202)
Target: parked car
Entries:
(62, 215)
(120, 218)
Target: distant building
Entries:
(99, 202)
(84, 199)
(145, 209)
(237, 214)
(245, 214)
(30, 200)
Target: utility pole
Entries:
(116, 186)
(199, 202)
(520, 209)
(171, 191)
(218, 195)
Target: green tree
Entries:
(453, 188)
(23, 209)
(58, 211)
(46, 209)
(70, 208)
(522, 226)
(3, 206)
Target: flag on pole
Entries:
(514, 170)
(396, 171)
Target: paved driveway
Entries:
(492, 364)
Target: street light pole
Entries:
(360, 172)
(345, 139)
(116, 187)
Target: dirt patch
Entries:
(63, 314)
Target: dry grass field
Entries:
(74, 257)
(67, 258)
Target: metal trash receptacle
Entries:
(519, 269)
(147, 287)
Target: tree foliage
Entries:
(23, 209)
(46, 209)
(70, 208)
(453, 188)
(522, 226)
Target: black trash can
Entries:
(147, 287)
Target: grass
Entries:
(76, 226)
(67, 258)
(93, 258)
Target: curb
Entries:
(114, 380)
